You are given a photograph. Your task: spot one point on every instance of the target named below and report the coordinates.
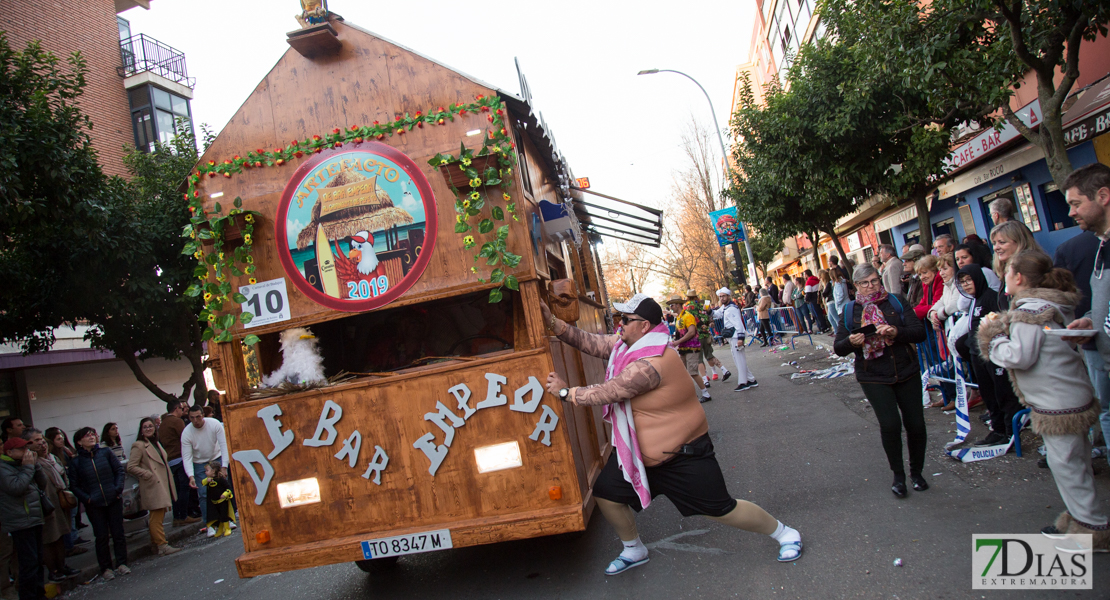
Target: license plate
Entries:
(413, 543)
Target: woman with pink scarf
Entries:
(660, 434)
(881, 328)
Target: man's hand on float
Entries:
(554, 384)
(545, 312)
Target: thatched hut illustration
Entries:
(351, 204)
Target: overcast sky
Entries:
(580, 59)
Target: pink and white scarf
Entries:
(619, 415)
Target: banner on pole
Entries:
(727, 226)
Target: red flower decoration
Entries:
(379, 136)
(358, 140)
(439, 109)
(298, 154)
(294, 143)
(376, 123)
(279, 161)
(336, 130)
(237, 157)
(247, 165)
(227, 162)
(212, 174)
(277, 149)
(490, 118)
(196, 193)
(354, 127)
(228, 175)
(316, 151)
(439, 122)
(315, 138)
(338, 144)
(419, 114)
(260, 151)
(420, 124)
(400, 130)
(257, 163)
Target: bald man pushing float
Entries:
(660, 433)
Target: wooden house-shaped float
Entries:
(367, 199)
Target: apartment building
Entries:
(138, 88)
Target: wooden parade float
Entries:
(416, 254)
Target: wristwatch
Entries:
(564, 394)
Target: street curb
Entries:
(134, 553)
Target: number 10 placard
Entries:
(267, 301)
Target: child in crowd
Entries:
(994, 386)
(1049, 376)
(220, 512)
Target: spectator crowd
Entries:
(1033, 331)
(50, 487)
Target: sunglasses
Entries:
(625, 320)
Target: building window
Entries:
(154, 115)
(1056, 207)
(124, 28)
(9, 402)
(947, 226)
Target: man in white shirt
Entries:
(730, 314)
(788, 291)
(201, 442)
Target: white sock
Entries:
(705, 393)
(634, 550)
(786, 535)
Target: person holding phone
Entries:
(880, 329)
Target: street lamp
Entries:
(724, 156)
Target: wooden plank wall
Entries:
(391, 414)
(368, 80)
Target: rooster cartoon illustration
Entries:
(362, 262)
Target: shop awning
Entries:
(612, 217)
(1090, 116)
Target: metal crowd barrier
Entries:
(751, 324)
(939, 363)
(785, 321)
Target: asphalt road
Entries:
(806, 451)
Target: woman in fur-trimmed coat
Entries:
(1050, 378)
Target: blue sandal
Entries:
(621, 564)
(795, 547)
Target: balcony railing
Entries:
(141, 53)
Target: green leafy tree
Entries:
(78, 247)
(52, 194)
(150, 316)
(970, 55)
(812, 152)
(839, 134)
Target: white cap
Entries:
(628, 308)
(724, 291)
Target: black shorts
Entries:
(692, 482)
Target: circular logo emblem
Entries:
(356, 227)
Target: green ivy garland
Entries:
(211, 225)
